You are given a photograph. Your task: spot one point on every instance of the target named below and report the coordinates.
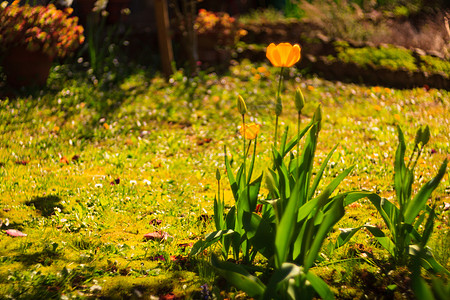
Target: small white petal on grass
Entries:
(99, 185)
(15, 233)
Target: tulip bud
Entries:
(299, 100)
(318, 117)
(242, 108)
(425, 135)
(217, 174)
(418, 137)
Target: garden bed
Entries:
(324, 56)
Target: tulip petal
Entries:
(294, 56)
(284, 49)
(270, 54)
(251, 131)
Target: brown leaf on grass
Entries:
(168, 296)
(155, 222)
(202, 141)
(64, 160)
(15, 233)
(205, 218)
(157, 235)
(22, 162)
(115, 181)
(185, 245)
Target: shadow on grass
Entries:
(46, 204)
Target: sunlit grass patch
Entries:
(156, 160)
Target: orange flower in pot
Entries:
(31, 37)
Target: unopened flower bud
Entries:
(299, 100)
(425, 137)
(217, 174)
(242, 108)
(418, 137)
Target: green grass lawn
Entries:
(86, 171)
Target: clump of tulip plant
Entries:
(289, 225)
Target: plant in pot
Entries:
(31, 37)
(218, 34)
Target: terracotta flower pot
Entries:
(25, 68)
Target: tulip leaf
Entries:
(388, 211)
(210, 239)
(382, 239)
(252, 164)
(417, 204)
(319, 175)
(231, 179)
(239, 277)
(319, 286)
(291, 144)
(284, 274)
(330, 218)
(284, 230)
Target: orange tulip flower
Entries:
(283, 55)
(251, 130)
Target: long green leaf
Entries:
(345, 235)
(417, 204)
(388, 211)
(399, 167)
(382, 239)
(428, 228)
(335, 182)
(320, 286)
(252, 164)
(282, 275)
(231, 179)
(260, 234)
(431, 264)
(284, 230)
(210, 239)
(218, 214)
(248, 197)
(291, 144)
(319, 175)
(239, 277)
(331, 218)
(283, 141)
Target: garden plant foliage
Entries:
(291, 223)
(104, 188)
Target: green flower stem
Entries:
(299, 120)
(412, 155)
(243, 148)
(278, 107)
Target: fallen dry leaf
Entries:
(157, 235)
(15, 233)
(115, 181)
(64, 160)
